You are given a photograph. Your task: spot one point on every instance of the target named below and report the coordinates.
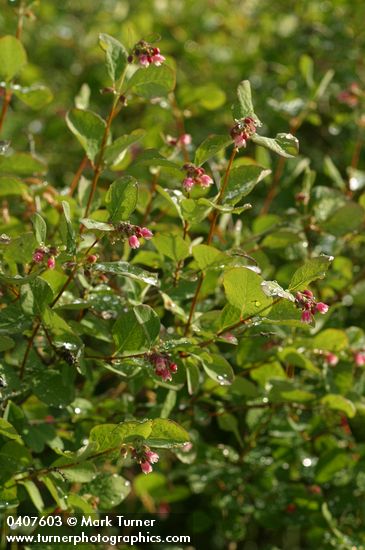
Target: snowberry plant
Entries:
(139, 300)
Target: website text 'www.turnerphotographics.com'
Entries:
(111, 530)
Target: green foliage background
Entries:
(278, 454)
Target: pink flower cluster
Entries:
(134, 233)
(243, 130)
(350, 96)
(163, 365)
(309, 306)
(332, 359)
(146, 54)
(195, 175)
(359, 358)
(181, 141)
(44, 254)
(145, 458)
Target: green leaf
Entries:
(67, 230)
(78, 473)
(229, 423)
(285, 145)
(34, 494)
(217, 368)
(10, 185)
(283, 390)
(293, 357)
(210, 147)
(152, 81)
(243, 107)
(323, 85)
(6, 343)
(20, 249)
(151, 157)
(110, 489)
(7, 430)
(54, 388)
(281, 239)
(136, 330)
(115, 152)
(22, 164)
(96, 225)
(116, 56)
(286, 313)
(345, 219)
(166, 434)
(339, 403)
(40, 228)
(209, 257)
(310, 271)
(121, 198)
(243, 387)
(35, 96)
(192, 377)
(108, 436)
(88, 127)
(332, 339)
(331, 462)
(192, 211)
(272, 288)
(36, 296)
(242, 181)
(172, 246)
(306, 68)
(243, 291)
(12, 56)
(127, 270)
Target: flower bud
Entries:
(360, 358)
(322, 308)
(146, 467)
(146, 233)
(51, 263)
(133, 242)
(306, 316)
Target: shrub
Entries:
(161, 336)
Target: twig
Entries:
(210, 237)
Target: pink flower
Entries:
(164, 373)
(308, 293)
(38, 256)
(322, 308)
(188, 183)
(306, 316)
(152, 457)
(146, 233)
(157, 59)
(239, 141)
(144, 60)
(146, 467)
(160, 362)
(229, 337)
(360, 358)
(92, 258)
(133, 242)
(331, 359)
(205, 180)
(51, 264)
(185, 139)
(173, 367)
(187, 447)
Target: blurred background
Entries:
(285, 49)
(305, 62)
